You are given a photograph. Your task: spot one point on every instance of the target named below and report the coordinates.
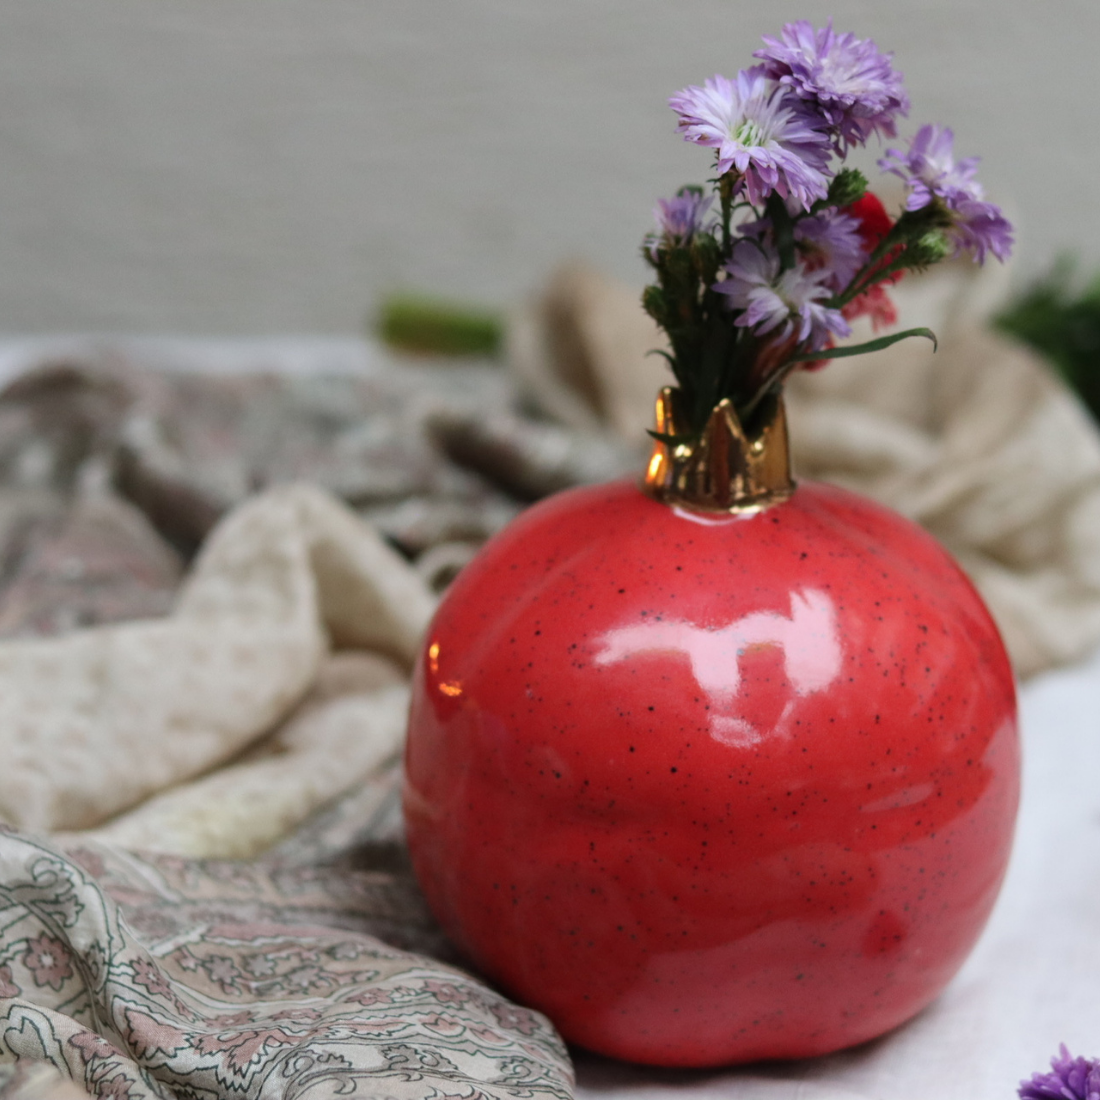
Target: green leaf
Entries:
(670, 440)
(664, 354)
(655, 303)
(1062, 321)
(863, 349)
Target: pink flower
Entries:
(370, 997)
(515, 1018)
(150, 977)
(8, 988)
(241, 1050)
(446, 993)
(223, 970)
(92, 1046)
(118, 1087)
(48, 960)
(875, 303)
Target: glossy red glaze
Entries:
(709, 790)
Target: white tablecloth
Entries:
(1032, 982)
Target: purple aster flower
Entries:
(681, 217)
(769, 136)
(981, 227)
(930, 171)
(831, 241)
(1070, 1079)
(852, 84)
(786, 303)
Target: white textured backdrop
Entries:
(250, 166)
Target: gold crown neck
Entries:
(724, 469)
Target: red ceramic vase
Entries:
(713, 786)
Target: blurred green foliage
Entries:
(1061, 319)
(432, 326)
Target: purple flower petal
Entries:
(931, 173)
(854, 86)
(782, 302)
(831, 241)
(682, 216)
(1070, 1079)
(981, 227)
(929, 168)
(759, 129)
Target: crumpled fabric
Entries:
(978, 441)
(94, 722)
(314, 968)
(30, 1079)
(212, 719)
(139, 978)
(436, 455)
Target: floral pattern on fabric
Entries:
(144, 977)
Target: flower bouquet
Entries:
(798, 248)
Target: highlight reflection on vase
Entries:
(806, 642)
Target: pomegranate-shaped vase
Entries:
(712, 769)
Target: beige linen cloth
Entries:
(98, 721)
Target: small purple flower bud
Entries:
(682, 216)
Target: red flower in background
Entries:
(874, 303)
(874, 224)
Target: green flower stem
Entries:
(726, 185)
(771, 385)
(867, 276)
